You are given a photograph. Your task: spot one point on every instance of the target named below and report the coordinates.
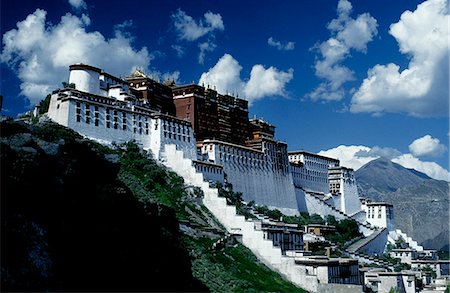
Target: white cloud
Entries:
(422, 88)
(191, 30)
(267, 82)
(357, 156)
(41, 53)
(78, 4)
(280, 46)
(225, 76)
(427, 146)
(347, 155)
(346, 34)
(432, 169)
(205, 47)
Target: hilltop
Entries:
(80, 216)
(420, 202)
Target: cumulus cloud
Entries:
(78, 4)
(357, 156)
(427, 146)
(281, 46)
(189, 29)
(40, 53)
(347, 155)
(346, 34)
(432, 169)
(422, 88)
(225, 76)
(266, 82)
(205, 47)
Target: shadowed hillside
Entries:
(78, 216)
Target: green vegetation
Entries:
(233, 269)
(235, 198)
(429, 270)
(444, 255)
(396, 263)
(346, 230)
(44, 104)
(264, 210)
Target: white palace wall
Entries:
(108, 121)
(251, 172)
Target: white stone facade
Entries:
(110, 121)
(310, 171)
(342, 186)
(254, 173)
(379, 214)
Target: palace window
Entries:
(116, 120)
(78, 111)
(88, 114)
(96, 122)
(124, 121)
(108, 118)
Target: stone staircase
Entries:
(397, 234)
(237, 224)
(365, 228)
(355, 247)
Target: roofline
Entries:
(82, 66)
(312, 154)
(379, 204)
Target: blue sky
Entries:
(368, 76)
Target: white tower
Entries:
(86, 78)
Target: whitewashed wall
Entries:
(251, 172)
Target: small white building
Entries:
(381, 281)
(439, 267)
(286, 236)
(405, 255)
(331, 270)
(379, 214)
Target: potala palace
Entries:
(207, 137)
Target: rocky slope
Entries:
(77, 216)
(421, 204)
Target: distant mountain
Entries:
(420, 202)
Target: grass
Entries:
(233, 268)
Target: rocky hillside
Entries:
(420, 203)
(77, 216)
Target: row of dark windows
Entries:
(114, 123)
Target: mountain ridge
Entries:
(420, 202)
